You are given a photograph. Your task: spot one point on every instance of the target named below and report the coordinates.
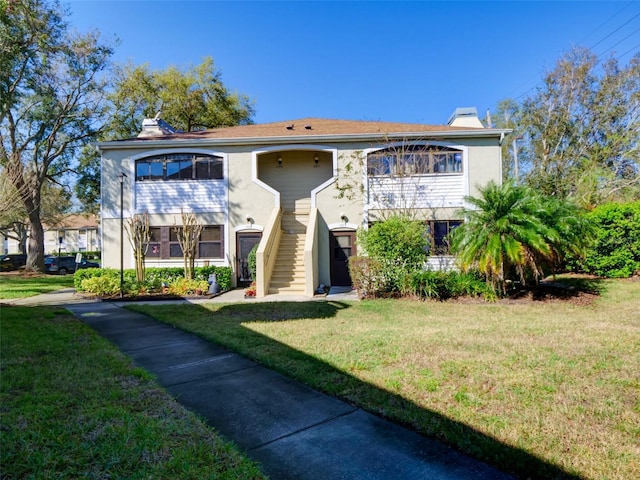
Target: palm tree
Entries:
(504, 232)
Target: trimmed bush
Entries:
(186, 286)
(155, 277)
(616, 250)
(397, 239)
(104, 286)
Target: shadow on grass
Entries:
(562, 288)
(228, 330)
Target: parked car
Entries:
(12, 261)
(66, 264)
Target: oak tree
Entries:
(51, 99)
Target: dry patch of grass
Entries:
(542, 389)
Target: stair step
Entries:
(286, 291)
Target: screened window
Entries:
(179, 166)
(414, 160)
(164, 243)
(175, 250)
(154, 242)
(439, 233)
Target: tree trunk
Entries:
(35, 250)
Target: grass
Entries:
(13, 285)
(540, 389)
(74, 407)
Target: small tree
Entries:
(188, 238)
(396, 246)
(139, 234)
(513, 233)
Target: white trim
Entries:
(249, 228)
(182, 149)
(283, 148)
(342, 226)
(365, 177)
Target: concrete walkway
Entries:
(293, 431)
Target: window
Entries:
(439, 231)
(210, 245)
(164, 243)
(175, 250)
(179, 166)
(414, 160)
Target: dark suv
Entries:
(64, 265)
(13, 261)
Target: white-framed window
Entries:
(414, 160)
(179, 166)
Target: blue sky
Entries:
(365, 60)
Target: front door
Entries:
(244, 243)
(343, 246)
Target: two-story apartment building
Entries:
(299, 188)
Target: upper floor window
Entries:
(414, 160)
(179, 166)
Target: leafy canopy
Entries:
(578, 132)
(189, 100)
(52, 86)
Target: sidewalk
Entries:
(294, 432)
(69, 296)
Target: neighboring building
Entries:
(75, 233)
(277, 184)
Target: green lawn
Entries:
(74, 407)
(542, 389)
(14, 285)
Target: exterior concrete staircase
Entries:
(289, 271)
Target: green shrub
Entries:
(439, 285)
(397, 239)
(251, 260)
(155, 277)
(616, 250)
(104, 286)
(187, 286)
(85, 273)
(223, 275)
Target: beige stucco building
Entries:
(300, 188)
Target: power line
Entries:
(598, 43)
(616, 30)
(637, 47)
(620, 41)
(606, 21)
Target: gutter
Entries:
(358, 137)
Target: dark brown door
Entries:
(343, 246)
(244, 244)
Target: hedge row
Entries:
(106, 281)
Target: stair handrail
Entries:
(267, 252)
(311, 254)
